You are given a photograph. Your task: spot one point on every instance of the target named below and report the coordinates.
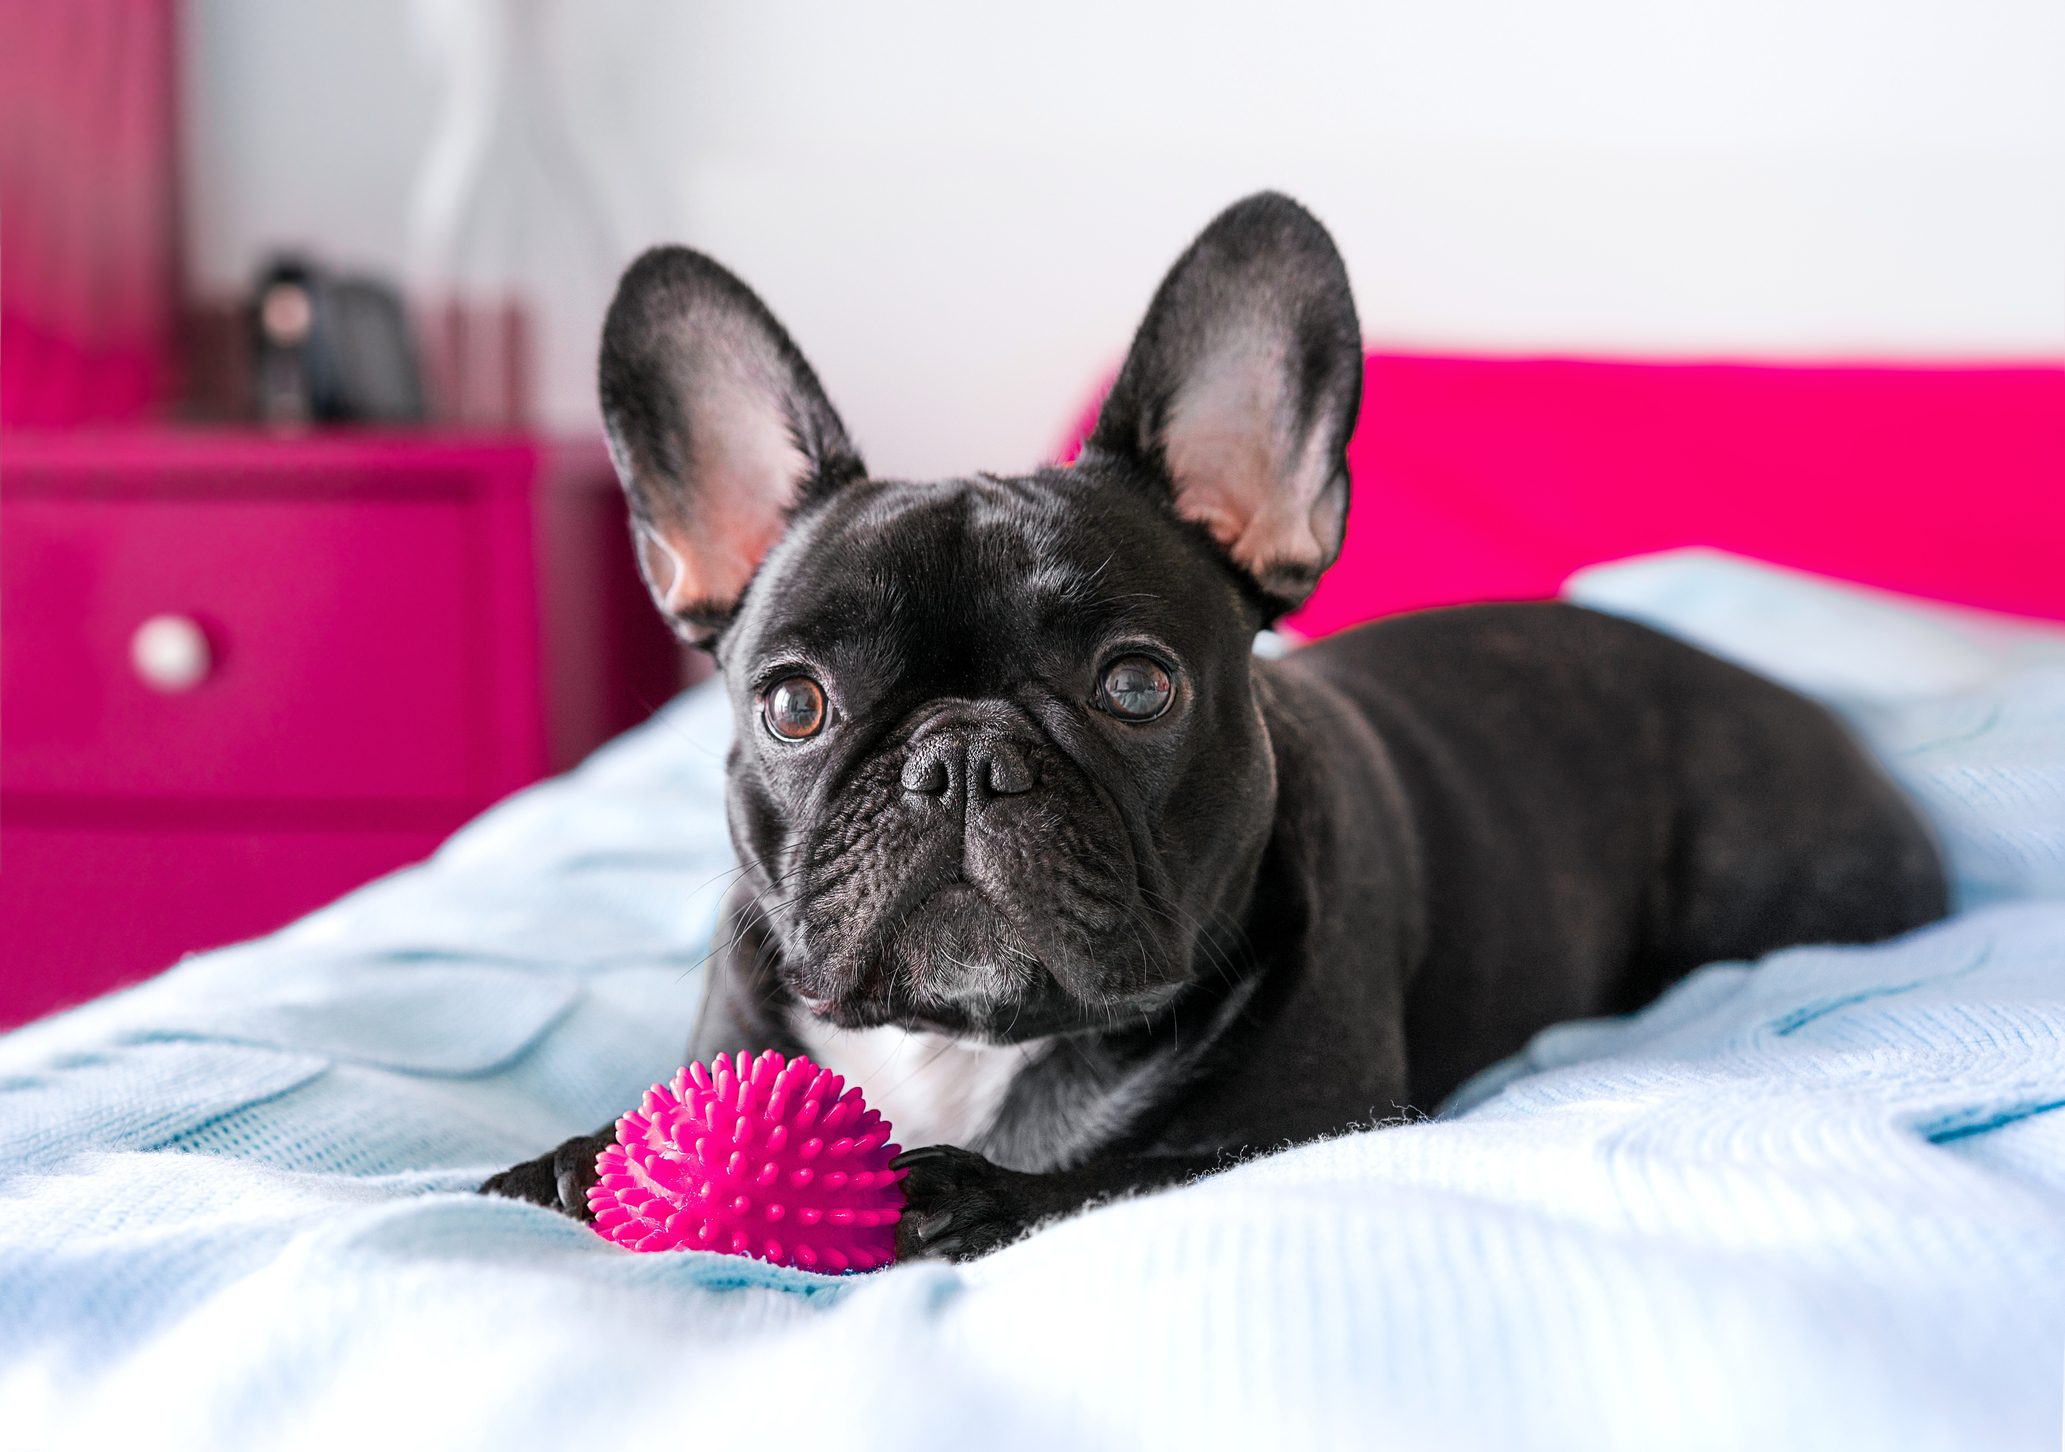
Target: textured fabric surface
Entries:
(1814, 1202)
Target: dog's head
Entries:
(1000, 768)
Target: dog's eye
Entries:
(794, 708)
(1137, 688)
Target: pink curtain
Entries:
(88, 229)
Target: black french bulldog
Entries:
(1077, 886)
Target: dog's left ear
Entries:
(719, 431)
(1240, 392)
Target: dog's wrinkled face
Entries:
(996, 750)
(999, 768)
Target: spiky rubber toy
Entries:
(766, 1158)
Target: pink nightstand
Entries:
(240, 675)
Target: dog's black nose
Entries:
(946, 764)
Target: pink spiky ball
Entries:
(766, 1158)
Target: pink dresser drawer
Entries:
(360, 640)
(87, 907)
(329, 637)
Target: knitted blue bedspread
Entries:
(1814, 1202)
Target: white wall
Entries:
(960, 211)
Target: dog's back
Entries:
(1598, 809)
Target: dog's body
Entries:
(1089, 898)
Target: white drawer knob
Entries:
(170, 653)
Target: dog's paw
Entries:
(558, 1181)
(957, 1205)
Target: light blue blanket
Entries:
(1815, 1203)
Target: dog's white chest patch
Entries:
(932, 1089)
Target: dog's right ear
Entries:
(1240, 394)
(718, 429)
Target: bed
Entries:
(1813, 1202)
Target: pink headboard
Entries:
(1482, 479)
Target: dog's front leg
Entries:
(958, 1205)
(559, 1178)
